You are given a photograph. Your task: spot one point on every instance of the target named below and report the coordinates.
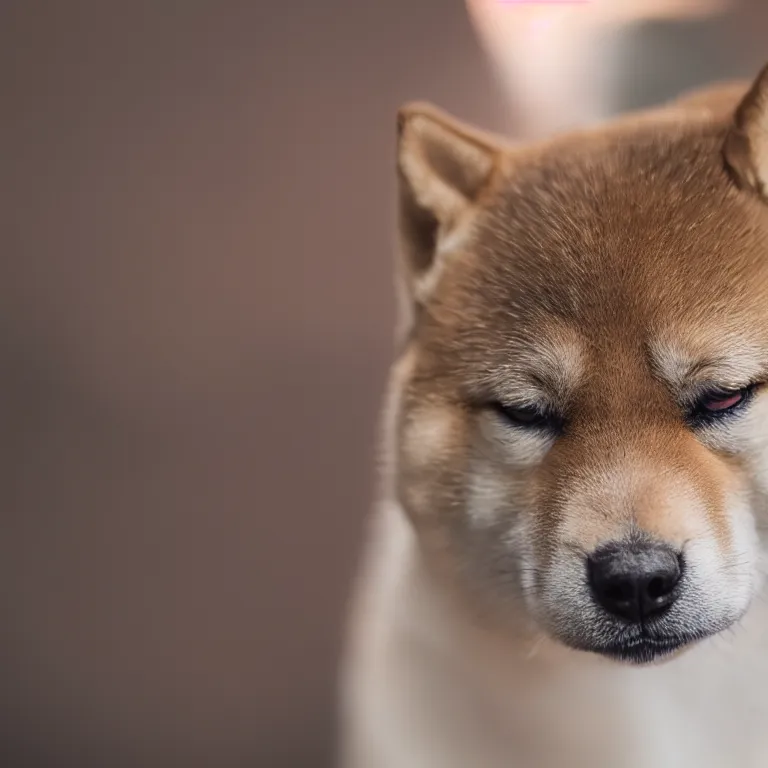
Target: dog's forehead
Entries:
(644, 232)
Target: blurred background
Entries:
(195, 325)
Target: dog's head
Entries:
(581, 419)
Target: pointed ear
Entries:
(746, 146)
(443, 169)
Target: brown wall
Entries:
(195, 318)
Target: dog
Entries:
(566, 560)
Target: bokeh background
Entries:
(196, 315)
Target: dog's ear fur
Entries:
(746, 145)
(443, 168)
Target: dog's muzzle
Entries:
(636, 584)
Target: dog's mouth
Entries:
(648, 643)
(644, 649)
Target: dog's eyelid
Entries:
(713, 389)
(527, 402)
(532, 416)
(718, 402)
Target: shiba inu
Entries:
(566, 564)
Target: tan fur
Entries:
(609, 274)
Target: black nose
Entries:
(635, 581)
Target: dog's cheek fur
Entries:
(465, 493)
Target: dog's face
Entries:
(582, 423)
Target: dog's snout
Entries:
(635, 582)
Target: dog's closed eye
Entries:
(529, 416)
(719, 403)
